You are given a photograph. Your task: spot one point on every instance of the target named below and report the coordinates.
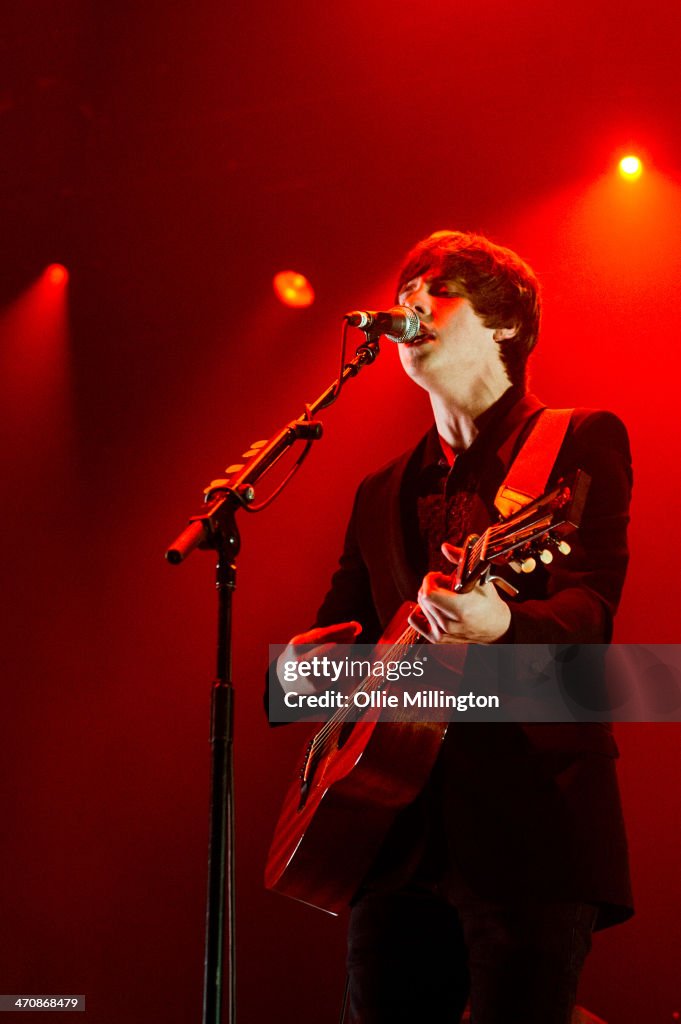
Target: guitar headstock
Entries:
(536, 532)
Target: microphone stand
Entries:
(216, 529)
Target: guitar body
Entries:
(322, 849)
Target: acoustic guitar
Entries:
(354, 777)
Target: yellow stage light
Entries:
(630, 167)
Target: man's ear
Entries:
(502, 333)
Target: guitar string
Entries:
(406, 638)
(493, 531)
(372, 681)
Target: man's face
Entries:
(453, 341)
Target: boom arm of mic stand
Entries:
(204, 529)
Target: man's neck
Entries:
(455, 413)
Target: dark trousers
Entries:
(412, 957)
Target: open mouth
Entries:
(420, 338)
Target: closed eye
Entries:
(442, 287)
(438, 286)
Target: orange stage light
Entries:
(293, 289)
(630, 167)
(56, 273)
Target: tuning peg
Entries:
(528, 565)
(564, 547)
(546, 556)
(516, 566)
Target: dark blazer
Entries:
(517, 809)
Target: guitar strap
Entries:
(530, 470)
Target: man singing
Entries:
(489, 885)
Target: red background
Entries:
(175, 157)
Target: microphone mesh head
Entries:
(412, 324)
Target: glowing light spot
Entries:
(56, 273)
(631, 167)
(293, 289)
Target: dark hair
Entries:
(501, 288)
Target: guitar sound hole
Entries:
(303, 795)
(344, 734)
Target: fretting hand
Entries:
(443, 617)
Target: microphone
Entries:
(398, 324)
